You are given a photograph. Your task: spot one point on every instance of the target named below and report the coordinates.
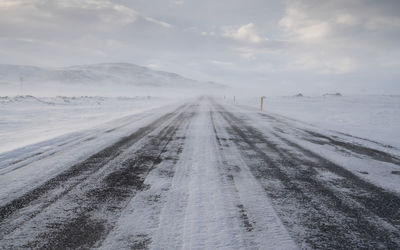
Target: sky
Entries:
(277, 47)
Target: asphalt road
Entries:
(200, 177)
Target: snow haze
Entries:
(278, 47)
(106, 79)
(210, 124)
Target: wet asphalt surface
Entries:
(79, 207)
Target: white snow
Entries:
(25, 120)
(378, 172)
(375, 117)
(25, 168)
(207, 199)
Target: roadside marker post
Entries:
(262, 103)
(234, 99)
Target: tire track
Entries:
(355, 148)
(133, 228)
(26, 207)
(342, 212)
(358, 149)
(110, 194)
(259, 220)
(36, 156)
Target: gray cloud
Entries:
(277, 46)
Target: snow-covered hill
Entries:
(107, 77)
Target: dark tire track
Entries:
(228, 174)
(43, 154)
(365, 217)
(112, 193)
(48, 193)
(358, 149)
(383, 203)
(321, 139)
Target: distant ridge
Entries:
(99, 74)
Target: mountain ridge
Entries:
(100, 73)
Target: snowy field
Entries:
(375, 117)
(26, 120)
(194, 174)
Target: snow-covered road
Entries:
(201, 175)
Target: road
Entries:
(203, 175)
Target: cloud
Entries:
(210, 33)
(304, 20)
(313, 32)
(264, 42)
(339, 37)
(251, 52)
(63, 32)
(62, 21)
(105, 11)
(179, 2)
(302, 27)
(161, 23)
(319, 64)
(346, 19)
(383, 23)
(246, 33)
(221, 63)
(67, 17)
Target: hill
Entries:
(106, 77)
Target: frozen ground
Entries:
(376, 117)
(25, 120)
(201, 174)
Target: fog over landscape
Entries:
(183, 124)
(278, 47)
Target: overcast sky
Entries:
(281, 47)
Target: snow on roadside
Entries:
(23, 169)
(381, 173)
(375, 117)
(26, 120)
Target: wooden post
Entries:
(234, 99)
(262, 103)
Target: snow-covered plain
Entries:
(375, 117)
(26, 120)
(374, 170)
(200, 173)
